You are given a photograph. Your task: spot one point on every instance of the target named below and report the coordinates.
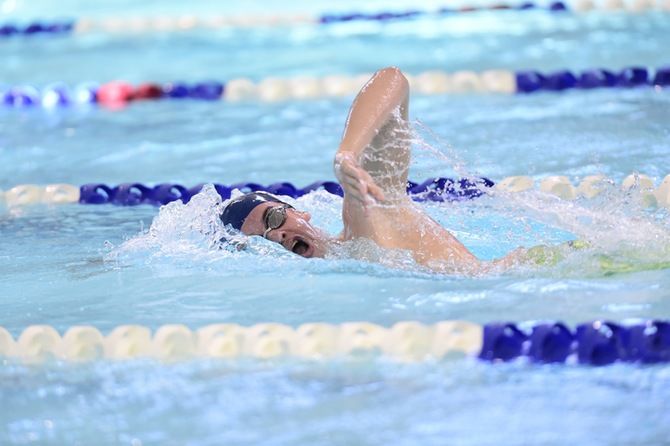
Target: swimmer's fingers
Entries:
(354, 188)
(367, 188)
(372, 188)
(361, 193)
(345, 165)
(348, 170)
(376, 192)
(359, 189)
(352, 178)
(369, 192)
(358, 179)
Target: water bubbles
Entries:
(182, 229)
(621, 232)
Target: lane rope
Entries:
(432, 189)
(117, 94)
(141, 24)
(594, 343)
(132, 194)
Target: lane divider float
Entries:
(593, 185)
(594, 343)
(189, 22)
(433, 189)
(132, 194)
(117, 94)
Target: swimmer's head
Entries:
(260, 213)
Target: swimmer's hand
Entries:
(356, 182)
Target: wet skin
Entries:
(371, 165)
(296, 234)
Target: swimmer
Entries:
(371, 164)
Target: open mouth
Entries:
(301, 247)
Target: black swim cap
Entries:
(238, 210)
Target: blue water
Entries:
(70, 264)
(510, 40)
(611, 132)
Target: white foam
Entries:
(615, 223)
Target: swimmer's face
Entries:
(296, 233)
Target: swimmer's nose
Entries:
(280, 235)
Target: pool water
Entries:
(67, 265)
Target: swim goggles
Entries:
(275, 217)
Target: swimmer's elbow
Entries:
(395, 76)
(394, 72)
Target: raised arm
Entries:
(383, 98)
(387, 92)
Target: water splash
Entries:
(621, 233)
(620, 229)
(181, 228)
(192, 235)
